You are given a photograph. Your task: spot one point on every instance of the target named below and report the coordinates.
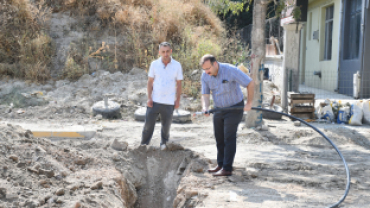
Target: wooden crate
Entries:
(302, 105)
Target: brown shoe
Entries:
(223, 172)
(214, 170)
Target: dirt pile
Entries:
(69, 173)
(65, 99)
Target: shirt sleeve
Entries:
(179, 73)
(240, 77)
(205, 88)
(151, 70)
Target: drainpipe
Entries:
(366, 6)
(339, 40)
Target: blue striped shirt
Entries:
(225, 86)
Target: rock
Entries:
(235, 178)
(59, 201)
(21, 165)
(31, 204)
(119, 145)
(14, 158)
(37, 166)
(264, 128)
(82, 161)
(33, 170)
(77, 205)
(297, 123)
(197, 167)
(2, 193)
(48, 173)
(97, 185)
(64, 173)
(43, 182)
(172, 146)
(190, 193)
(40, 149)
(60, 192)
(99, 117)
(116, 157)
(74, 187)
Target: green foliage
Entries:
(226, 6)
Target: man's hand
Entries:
(149, 103)
(205, 114)
(248, 107)
(177, 104)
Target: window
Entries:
(329, 13)
(352, 29)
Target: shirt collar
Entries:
(160, 59)
(219, 69)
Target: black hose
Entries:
(322, 134)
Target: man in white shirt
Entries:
(164, 90)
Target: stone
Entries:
(77, 205)
(81, 161)
(97, 185)
(235, 178)
(74, 187)
(14, 158)
(190, 193)
(33, 170)
(264, 128)
(60, 192)
(172, 146)
(31, 204)
(99, 117)
(37, 166)
(48, 173)
(2, 193)
(119, 145)
(297, 123)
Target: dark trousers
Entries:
(225, 125)
(166, 112)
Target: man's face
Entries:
(165, 52)
(210, 68)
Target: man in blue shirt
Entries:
(224, 81)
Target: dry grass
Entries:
(25, 51)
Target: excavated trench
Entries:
(155, 174)
(37, 172)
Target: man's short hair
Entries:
(207, 57)
(165, 44)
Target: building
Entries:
(335, 45)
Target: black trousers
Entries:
(166, 112)
(225, 126)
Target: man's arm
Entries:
(250, 92)
(178, 94)
(149, 103)
(205, 103)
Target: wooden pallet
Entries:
(302, 105)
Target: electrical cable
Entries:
(314, 128)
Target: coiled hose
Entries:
(322, 134)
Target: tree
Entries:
(254, 118)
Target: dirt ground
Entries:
(284, 166)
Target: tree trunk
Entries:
(254, 118)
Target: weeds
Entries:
(137, 27)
